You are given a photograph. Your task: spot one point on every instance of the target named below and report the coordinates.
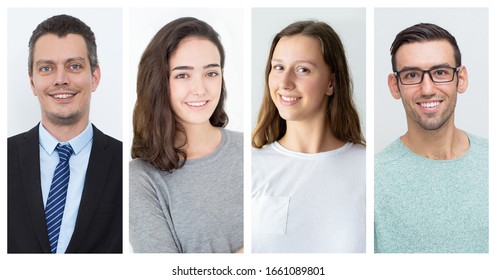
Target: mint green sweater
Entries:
(431, 206)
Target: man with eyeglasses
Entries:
(431, 184)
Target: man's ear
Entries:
(394, 86)
(31, 83)
(96, 78)
(462, 79)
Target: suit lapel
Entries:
(94, 186)
(29, 150)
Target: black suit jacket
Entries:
(99, 222)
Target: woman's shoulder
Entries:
(234, 137)
(358, 148)
(264, 152)
(233, 134)
(143, 174)
(356, 153)
(139, 167)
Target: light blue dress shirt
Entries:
(49, 158)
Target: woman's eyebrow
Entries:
(184, 67)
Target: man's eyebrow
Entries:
(442, 65)
(184, 67)
(49, 61)
(80, 59)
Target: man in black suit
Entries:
(63, 72)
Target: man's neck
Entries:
(64, 133)
(442, 144)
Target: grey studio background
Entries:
(23, 109)
(470, 28)
(349, 24)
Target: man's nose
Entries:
(61, 78)
(427, 84)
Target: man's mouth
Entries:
(430, 105)
(63, 95)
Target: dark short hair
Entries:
(62, 25)
(155, 126)
(424, 32)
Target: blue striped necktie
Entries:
(54, 209)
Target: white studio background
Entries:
(228, 22)
(159, 266)
(470, 28)
(23, 109)
(349, 24)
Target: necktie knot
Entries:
(65, 151)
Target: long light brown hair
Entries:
(342, 116)
(155, 125)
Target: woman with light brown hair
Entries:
(186, 179)
(308, 164)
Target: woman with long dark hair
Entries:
(186, 179)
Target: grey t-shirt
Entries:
(195, 209)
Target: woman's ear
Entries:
(330, 88)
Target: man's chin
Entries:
(64, 120)
(432, 125)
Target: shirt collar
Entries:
(49, 143)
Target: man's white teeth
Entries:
(430, 104)
(289, 99)
(196, 104)
(65, 95)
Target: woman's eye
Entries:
(212, 74)
(302, 70)
(277, 67)
(181, 76)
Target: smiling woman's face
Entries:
(300, 81)
(195, 80)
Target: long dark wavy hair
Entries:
(342, 116)
(155, 125)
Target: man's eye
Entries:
(440, 72)
(75, 67)
(45, 69)
(411, 75)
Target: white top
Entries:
(308, 203)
